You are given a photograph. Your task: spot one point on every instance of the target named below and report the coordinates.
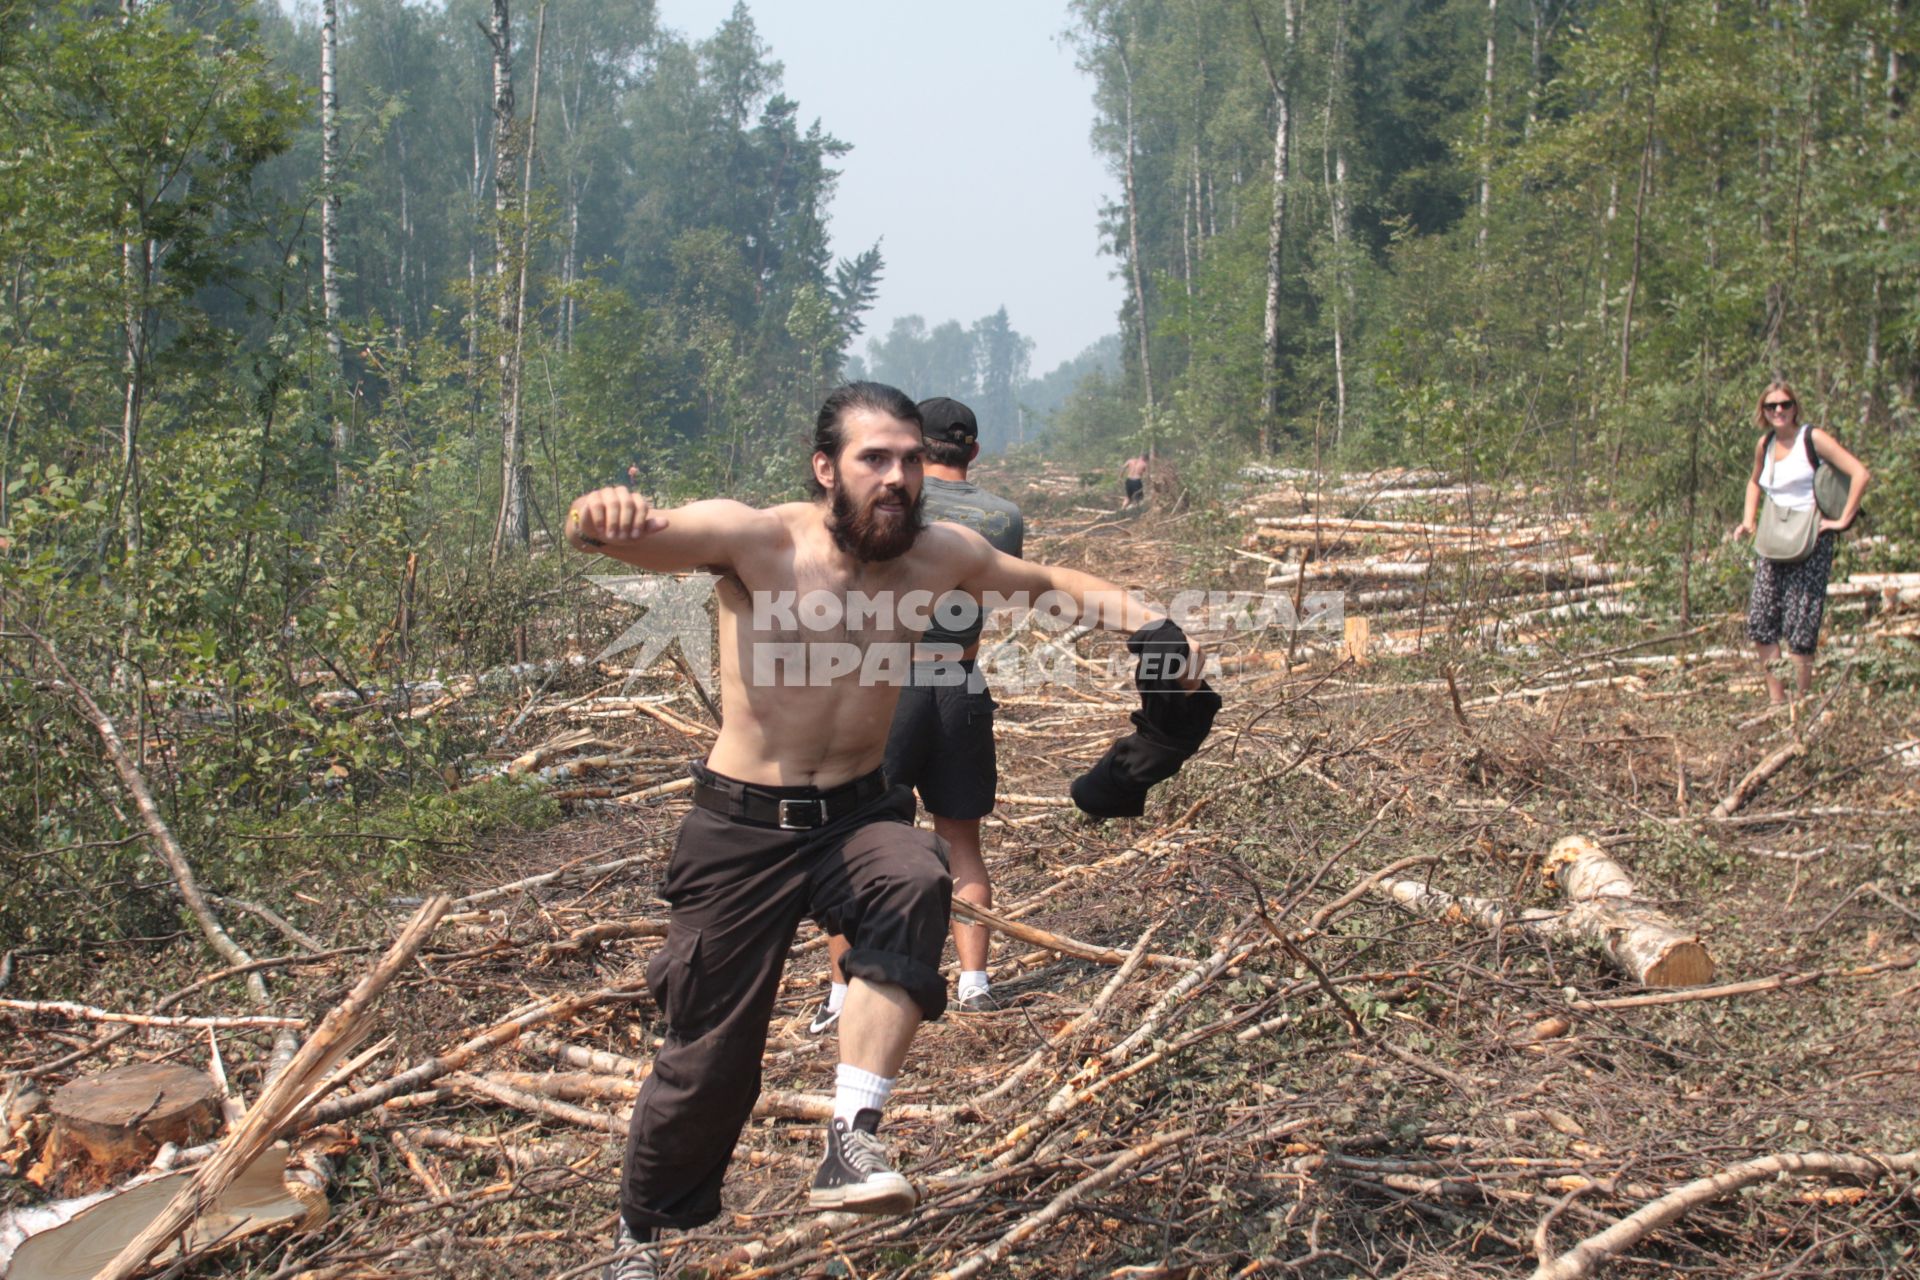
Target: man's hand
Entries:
(611, 516)
(1196, 666)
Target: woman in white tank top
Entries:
(1791, 599)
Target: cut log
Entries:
(1605, 912)
(1638, 938)
(572, 740)
(109, 1125)
(1328, 569)
(1335, 526)
(1358, 644)
(1886, 581)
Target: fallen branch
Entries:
(158, 833)
(67, 1009)
(423, 1073)
(1086, 1019)
(1779, 982)
(977, 914)
(495, 894)
(1584, 1258)
(1757, 777)
(1034, 1222)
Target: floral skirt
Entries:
(1791, 598)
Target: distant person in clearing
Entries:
(792, 815)
(1134, 473)
(941, 743)
(1791, 598)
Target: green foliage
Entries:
(1583, 316)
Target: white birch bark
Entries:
(1486, 129)
(506, 304)
(329, 183)
(1277, 218)
(512, 527)
(1335, 179)
(1133, 240)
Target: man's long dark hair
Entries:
(829, 426)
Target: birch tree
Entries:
(510, 525)
(1277, 68)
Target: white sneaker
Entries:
(825, 1018)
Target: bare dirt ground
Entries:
(1295, 1075)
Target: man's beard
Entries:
(868, 533)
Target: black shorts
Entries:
(941, 743)
(1134, 487)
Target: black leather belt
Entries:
(788, 808)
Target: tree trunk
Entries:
(1486, 131)
(571, 269)
(1534, 67)
(1339, 294)
(329, 186)
(1277, 213)
(411, 298)
(340, 429)
(1336, 183)
(510, 524)
(1133, 245)
(476, 188)
(1640, 210)
(1693, 491)
(1186, 245)
(136, 262)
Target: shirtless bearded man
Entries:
(792, 815)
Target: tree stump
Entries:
(112, 1124)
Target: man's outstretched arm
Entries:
(1103, 604)
(620, 523)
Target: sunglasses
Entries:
(1778, 406)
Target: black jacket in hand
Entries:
(1169, 727)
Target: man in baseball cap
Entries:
(941, 743)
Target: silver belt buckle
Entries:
(790, 808)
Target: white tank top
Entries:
(1789, 481)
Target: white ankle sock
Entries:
(972, 980)
(836, 997)
(855, 1091)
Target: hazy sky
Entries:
(970, 159)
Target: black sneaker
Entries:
(977, 1001)
(856, 1175)
(825, 1019)
(633, 1259)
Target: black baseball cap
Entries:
(949, 420)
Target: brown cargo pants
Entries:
(738, 890)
